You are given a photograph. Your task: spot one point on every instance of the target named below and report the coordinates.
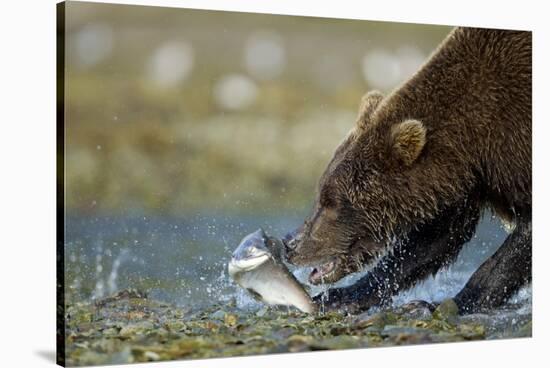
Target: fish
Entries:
(257, 266)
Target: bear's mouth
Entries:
(324, 272)
(338, 267)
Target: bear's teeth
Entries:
(321, 271)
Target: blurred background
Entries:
(175, 110)
(188, 129)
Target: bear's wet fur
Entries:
(406, 188)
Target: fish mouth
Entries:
(326, 272)
(247, 264)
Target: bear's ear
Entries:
(407, 140)
(369, 103)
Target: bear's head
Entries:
(372, 191)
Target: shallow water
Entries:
(179, 260)
(183, 260)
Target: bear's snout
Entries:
(291, 241)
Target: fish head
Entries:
(251, 253)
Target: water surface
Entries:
(183, 260)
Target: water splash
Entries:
(106, 285)
(112, 279)
(166, 258)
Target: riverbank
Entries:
(130, 327)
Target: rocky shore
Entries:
(129, 327)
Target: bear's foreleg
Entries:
(500, 276)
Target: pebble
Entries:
(219, 314)
(151, 355)
(447, 311)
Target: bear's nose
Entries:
(291, 244)
(290, 240)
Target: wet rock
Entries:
(394, 330)
(94, 358)
(111, 331)
(420, 314)
(417, 309)
(134, 329)
(232, 303)
(338, 342)
(471, 331)
(284, 333)
(525, 330)
(122, 294)
(340, 330)
(476, 319)
(412, 339)
(375, 321)
(230, 320)
(78, 317)
(106, 345)
(444, 336)
(297, 343)
(262, 312)
(212, 326)
(219, 314)
(151, 356)
(447, 311)
(329, 316)
(174, 326)
(307, 319)
(414, 304)
(500, 324)
(83, 345)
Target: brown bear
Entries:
(405, 189)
